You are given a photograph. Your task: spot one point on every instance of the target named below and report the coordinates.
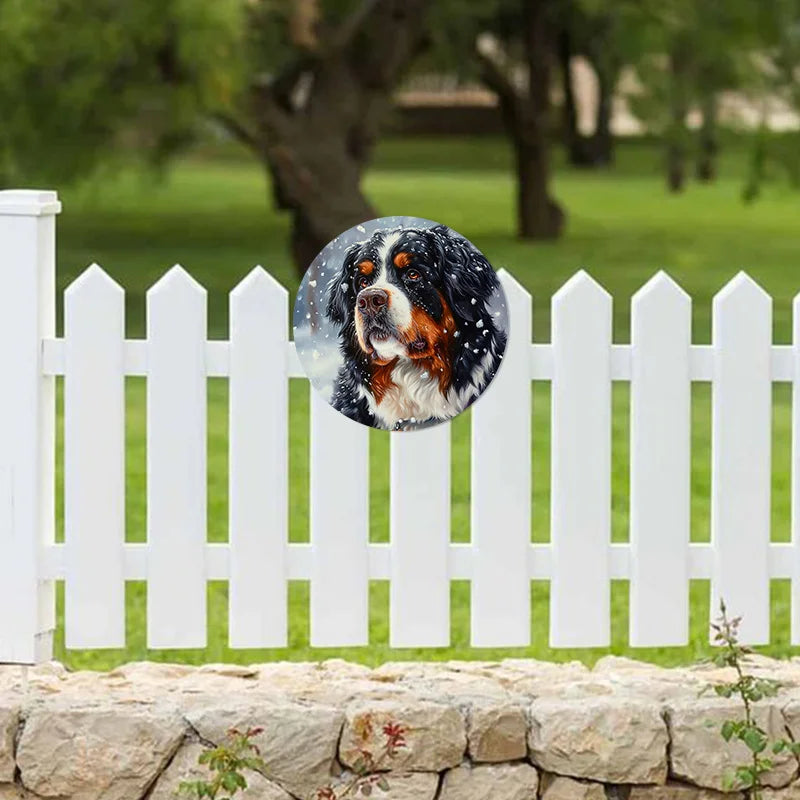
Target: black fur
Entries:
(451, 268)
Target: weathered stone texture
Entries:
(497, 733)
(700, 756)
(680, 791)
(600, 738)
(558, 787)
(9, 719)
(490, 782)
(435, 734)
(298, 742)
(108, 752)
(184, 767)
(406, 786)
(10, 791)
(513, 730)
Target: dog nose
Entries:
(371, 301)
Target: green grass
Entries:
(211, 214)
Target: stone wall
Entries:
(513, 730)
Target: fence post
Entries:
(27, 423)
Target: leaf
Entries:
(728, 781)
(754, 738)
(728, 729)
(745, 776)
(230, 782)
(382, 783)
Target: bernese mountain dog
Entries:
(417, 316)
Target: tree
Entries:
(304, 84)
(525, 105)
(313, 114)
(76, 74)
(693, 52)
(595, 32)
(777, 72)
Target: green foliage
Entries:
(749, 689)
(78, 75)
(227, 763)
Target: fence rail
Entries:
(581, 362)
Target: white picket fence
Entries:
(580, 561)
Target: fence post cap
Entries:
(29, 202)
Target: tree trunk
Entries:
(319, 183)
(676, 167)
(603, 141)
(539, 216)
(577, 146)
(314, 125)
(708, 146)
(676, 128)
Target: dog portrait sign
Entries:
(401, 323)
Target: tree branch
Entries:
(499, 81)
(285, 82)
(382, 37)
(348, 30)
(235, 128)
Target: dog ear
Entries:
(467, 277)
(340, 299)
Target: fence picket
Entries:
(501, 497)
(94, 461)
(176, 462)
(581, 464)
(661, 329)
(339, 488)
(419, 593)
(258, 462)
(741, 445)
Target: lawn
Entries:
(210, 213)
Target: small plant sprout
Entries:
(227, 763)
(368, 766)
(237, 754)
(749, 689)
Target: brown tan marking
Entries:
(381, 380)
(366, 267)
(402, 259)
(436, 358)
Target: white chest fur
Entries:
(414, 394)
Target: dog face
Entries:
(400, 294)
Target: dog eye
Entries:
(413, 275)
(363, 282)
